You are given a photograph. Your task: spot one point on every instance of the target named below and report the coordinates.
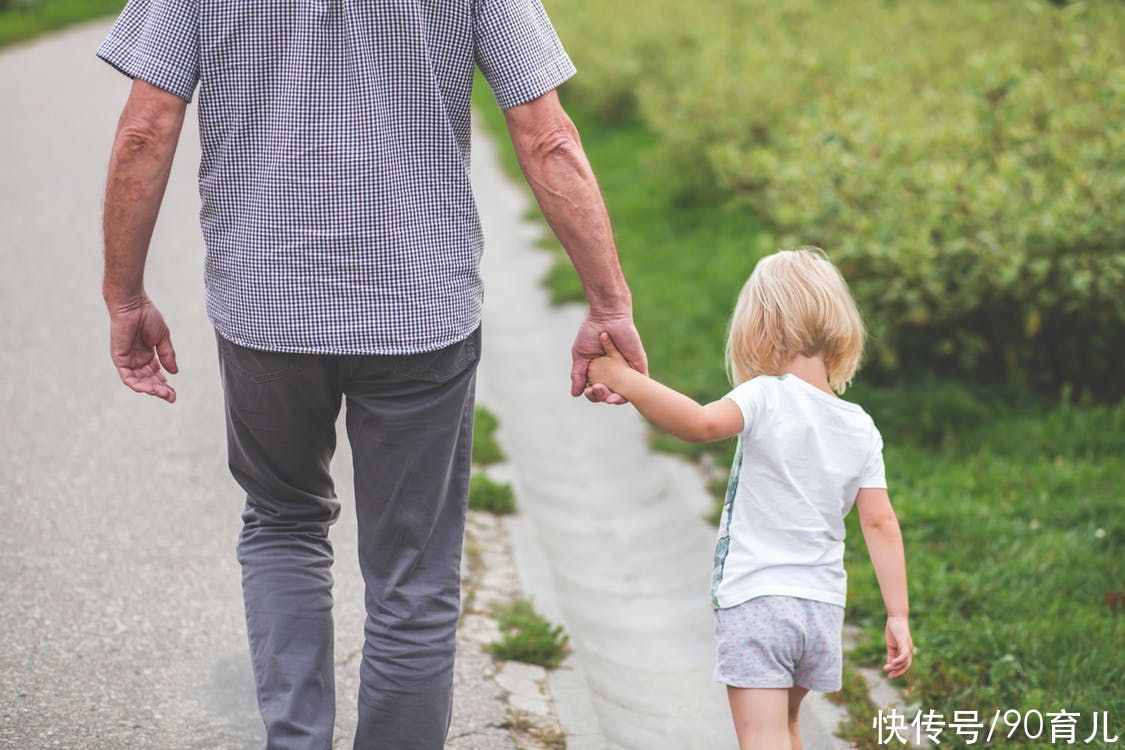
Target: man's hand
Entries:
(588, 345)
(141, 347)
(139, 165)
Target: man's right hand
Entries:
(140, 345)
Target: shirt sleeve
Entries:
(750, 397)
(874, 473)
(518, 51)
(157, 41)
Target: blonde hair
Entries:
(795, 302)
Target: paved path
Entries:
(120, 611)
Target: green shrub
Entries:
(529, 637)
(489, 496)
(963, 162)
(486, 451)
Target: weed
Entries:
(494, 497)
(529, 637)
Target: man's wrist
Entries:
(608, 307)
(123, 300)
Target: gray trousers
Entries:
(409, 422)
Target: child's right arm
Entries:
(668, 409)
(884, 543)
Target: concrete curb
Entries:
(569, 687)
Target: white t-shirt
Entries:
(802, 456)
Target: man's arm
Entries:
(551, 156)
(147, 135)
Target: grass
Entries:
(486, 451)
(1011, 504)
(1014, 534)
(854, 697)
(484, 493)
(529, 637)
(490, 496)
(20, 21)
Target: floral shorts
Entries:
(779, 642)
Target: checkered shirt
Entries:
(336, 204)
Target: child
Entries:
(804, 457)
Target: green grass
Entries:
(20, 21)
(529, 637)
(486, 451)
(854, 697)
(1011, 505)
(1014, 534)
(490, 496)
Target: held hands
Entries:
(141, 348)
(606, 370)
(900, 647)
(588, 346)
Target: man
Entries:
(342, 263)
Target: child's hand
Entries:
(900, 647)
(604, 369)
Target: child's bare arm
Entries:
(884, 544)
(669, 410)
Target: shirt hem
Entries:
(741, 596)
(346, 350)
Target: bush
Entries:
(964, 163)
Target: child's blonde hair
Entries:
(795, 302)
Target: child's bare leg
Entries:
(796, 693)
(760, 717)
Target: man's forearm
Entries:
(559, 174)
(139, 167)
(567, 192)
